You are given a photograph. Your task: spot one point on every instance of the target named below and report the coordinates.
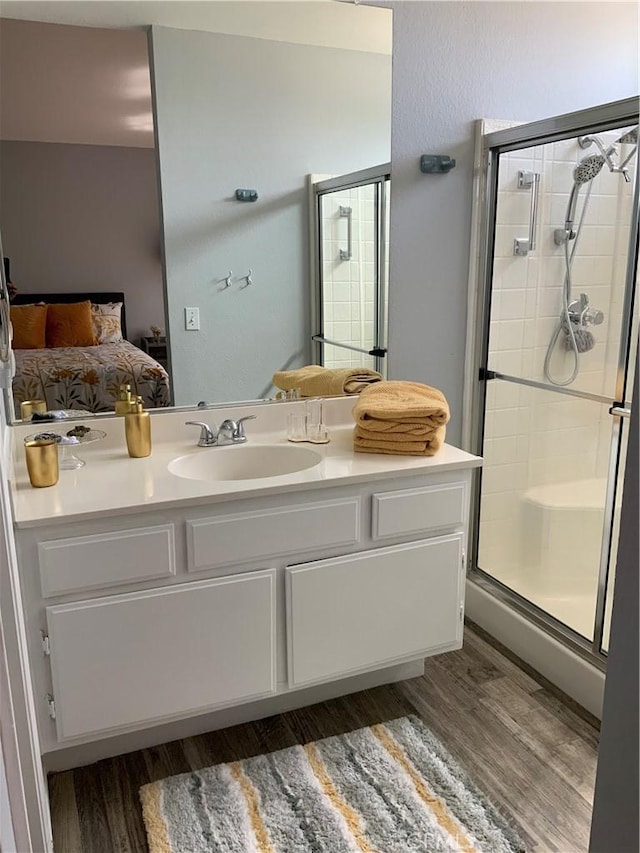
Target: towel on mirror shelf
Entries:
(400, 417)
(316, 381)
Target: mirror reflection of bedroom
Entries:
(80, 216)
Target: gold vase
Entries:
(28, 407)
(42, 462)
(137, 427)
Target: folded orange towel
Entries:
(316, 381)
(400, 417)
(428, 447)
(386, 405)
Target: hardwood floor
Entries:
(529, 749)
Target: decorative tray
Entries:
(68, 459)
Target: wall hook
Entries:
(248, 278)
(227, 281)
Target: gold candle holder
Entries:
(42, 462)
(28, 407)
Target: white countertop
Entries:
(113, 483)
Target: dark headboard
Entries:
(30, 298)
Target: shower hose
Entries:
(564, 321)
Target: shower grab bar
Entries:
(528, 180)
(347, 213)
(487, 374)
(380, 352)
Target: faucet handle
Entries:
(240, 424)
(235, 429)
(208, 435)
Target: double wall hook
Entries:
(227, 281)
(248, 278)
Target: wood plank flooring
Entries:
(525, 746)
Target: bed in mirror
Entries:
(101, 193)
(71, 352)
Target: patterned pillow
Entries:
(106, 322)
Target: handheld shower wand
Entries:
(585, 171)
(578, 338)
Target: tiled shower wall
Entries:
(349, 286)
(535, 437)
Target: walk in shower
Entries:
(558, 333)
(350, 224)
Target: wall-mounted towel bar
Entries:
(528, 181)
(347, 213)
(380, 352)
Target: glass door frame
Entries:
(380, 177)
(594, 120)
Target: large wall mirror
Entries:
(121, 150)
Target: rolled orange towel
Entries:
(400, 417)
(316, 381)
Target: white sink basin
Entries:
(248, 462)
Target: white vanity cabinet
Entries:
(373, 608)
(149, 655)
(208, 614)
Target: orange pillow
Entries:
(70, 325)
(29, 324)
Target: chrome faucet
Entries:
(233, 431)
(229, 432)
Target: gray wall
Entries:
(615, 809)
(454, 63)
(240, 112)
(84, 217)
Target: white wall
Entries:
(238, 112)
(334, 24)
(454, 63)
(7, 839)
(80, 85)
(84, 218)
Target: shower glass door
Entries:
(554, 390)
(350, 305)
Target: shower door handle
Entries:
(528, 180)
(620, 411)
(347, 213)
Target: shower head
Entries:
(588, 168)
(585, 171)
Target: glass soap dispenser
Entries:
(137, 429)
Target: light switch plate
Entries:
(192, 319)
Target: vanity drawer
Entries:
(370, 610)
(247, 536)
(106, 559)
(419, 510)
(131, 659)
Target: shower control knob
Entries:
(595, 316)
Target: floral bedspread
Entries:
(88, 377)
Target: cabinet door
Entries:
(373, 609)
(128, 659)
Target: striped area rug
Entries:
(390, 788)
